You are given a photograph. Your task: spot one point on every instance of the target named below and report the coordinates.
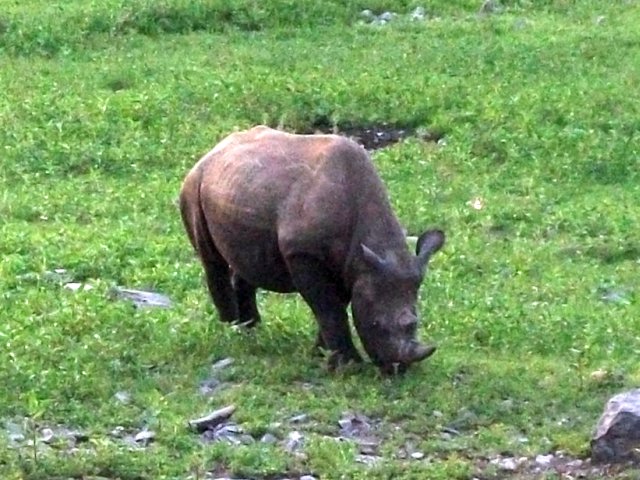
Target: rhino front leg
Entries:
(248, 314)
(320, 290)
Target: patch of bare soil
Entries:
(554, 465)
(375, 136)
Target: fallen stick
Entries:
(212, 420)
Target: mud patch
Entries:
(375, 136)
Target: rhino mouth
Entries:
(413, 352)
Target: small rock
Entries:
(224, 363)
(615, 295)
(269, 438)
(229, 433)
(599, 375)
(577, 463)
(122, 397)
(207, 387)
(418, 14)
(489, 6)
(368, 446)
(16, 437)
(437, 414)
(47, 435)
(15, 432)
(212, 420)
(75, 286)
(544, 460)
(77, 436)
(118, 432)
(450, 431)
(386, 16)
(508, 464)
(294, 442)
(142, 298)
(367, 14)
(303, 417)
(145, 437)
(368, 460)
(600, 19)
(354, 424)
(307, 477)
(58, 275)
(617, 435)
(417, 455)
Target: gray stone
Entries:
(617, 435)
(48, 435)
(489, 6)
(303, 417)
(354, 424)
(508, 464)
(118, 432)
(207, 387)
(15, 432)
(367, 14)
(142, 298)
(224, 363)
(615, 295)
(122, 397)
(269, 438)
(294, 442)
(544, 460)
(307, 477)
(418, 14)
(145, 437)
(213, 419)
(368, 460)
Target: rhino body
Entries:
(308, 214)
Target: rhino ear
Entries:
(373, 259)
(428, 243)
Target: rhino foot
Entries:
(339, 359)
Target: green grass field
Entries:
(104, 107)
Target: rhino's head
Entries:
(384, 304)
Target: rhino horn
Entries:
(419, 352)
(373, 259)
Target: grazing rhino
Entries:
(308, 214)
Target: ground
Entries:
(514, 130)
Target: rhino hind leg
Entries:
(248, 314)
(321, 292)
(217, 272)
(219, 284)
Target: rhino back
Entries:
(268, 194)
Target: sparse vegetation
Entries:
(106, 105)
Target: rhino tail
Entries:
(194, 219)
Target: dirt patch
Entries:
(554, 465)
(375, 136)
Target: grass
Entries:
(102, 118)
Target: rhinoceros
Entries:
(309, 214)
